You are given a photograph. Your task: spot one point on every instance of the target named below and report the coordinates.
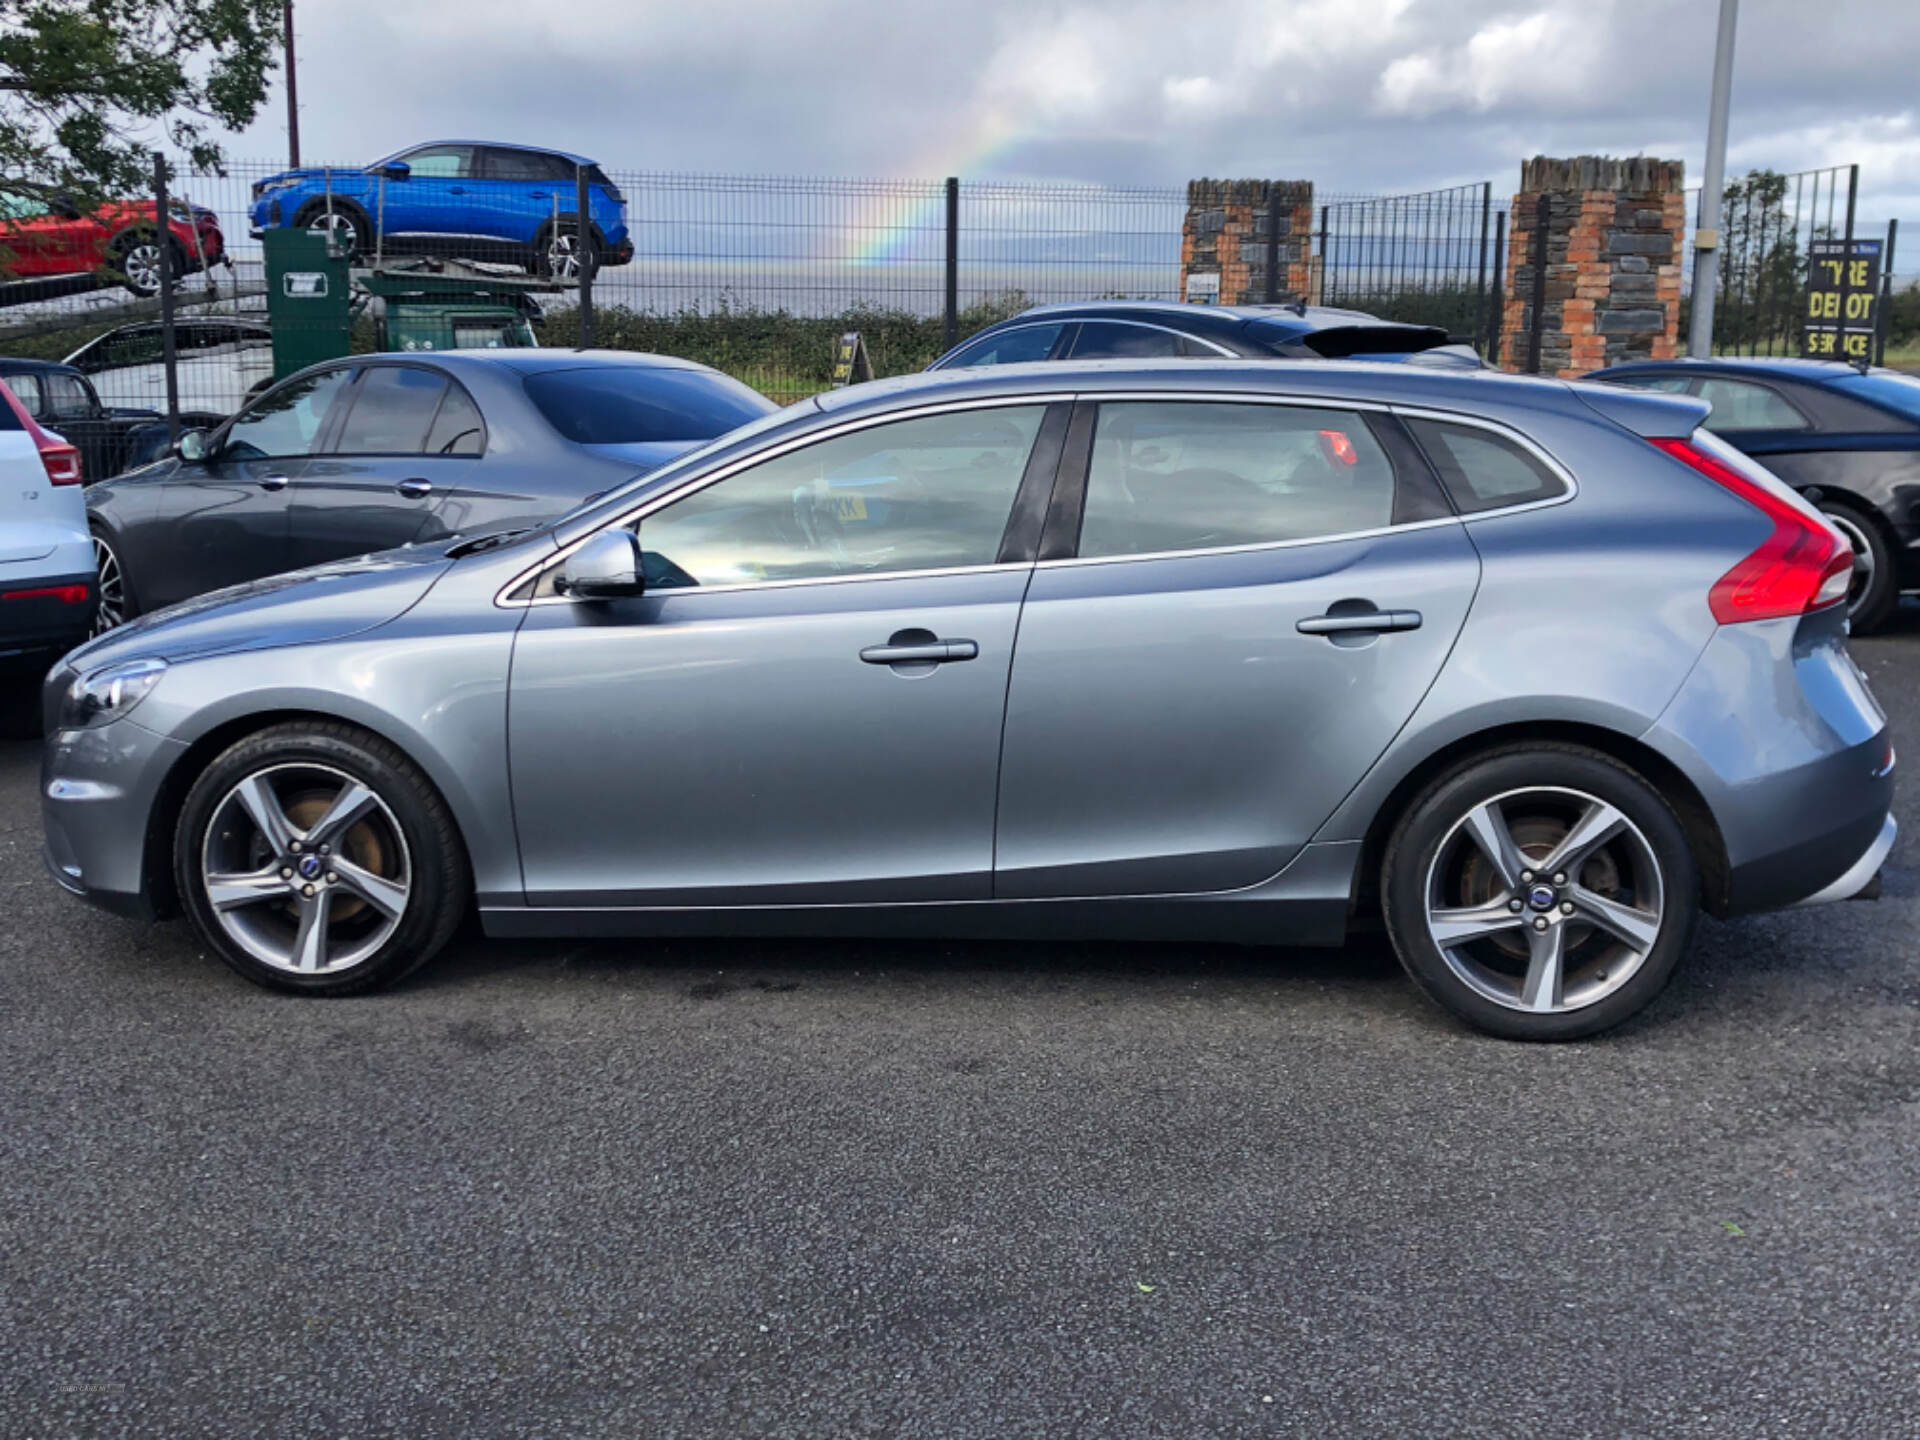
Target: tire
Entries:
(116, 604)
(349, 221)
(1499, 973)
(136, 258)
(554, 255)
(383, 892)
(1876, 581)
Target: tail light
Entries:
(65, 594)
(1802, 566)
(61, 460)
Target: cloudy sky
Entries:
(1357, 95)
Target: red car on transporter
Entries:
(44, 237)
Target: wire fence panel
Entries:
(1425, 258)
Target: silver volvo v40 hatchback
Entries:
(1535, 671)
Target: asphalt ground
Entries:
(837, 1189)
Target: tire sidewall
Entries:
(1417, 840)
(431, 887)
(351, 213)
(124, 243)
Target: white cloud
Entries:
(1534, 56)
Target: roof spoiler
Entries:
(1651, 414)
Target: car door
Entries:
(35, 239)
(518, 192)
(224, 519)
(432, 206)
(380, 479)
(805, 706)
(1247, 603)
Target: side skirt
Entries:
(1305, 904)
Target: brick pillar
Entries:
(1225, 234)
(1614, 241)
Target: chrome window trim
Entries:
(695, 483)
(946, 364)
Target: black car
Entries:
(369, 453)
(1155, 330)
(63, 400)
(1847, 439)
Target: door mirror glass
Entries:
(193, 446)
(607, 567)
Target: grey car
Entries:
(1534, 671)
(358, 455)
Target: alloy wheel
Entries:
(1863, 570)
(141, 266)
(111, 610)
(306, 868)
(1545, 900)
(339, 227)
(563, 255)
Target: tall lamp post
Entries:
(293, 92)
(1706, 239)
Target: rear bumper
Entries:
(1864, 872)
(38, 625)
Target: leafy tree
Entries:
(89, 87)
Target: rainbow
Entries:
(884, 224)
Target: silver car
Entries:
(1533, 671)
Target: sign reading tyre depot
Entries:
(1843, 297)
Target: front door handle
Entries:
(539, 195)
(920, 652)
(1367, 622)
(415, 489)
(273, 482)
(456, 189)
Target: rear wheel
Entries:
(136, 257)
(115, 605)
(557, 253)
(1875, 588)
(1544, 892)
(316, 858)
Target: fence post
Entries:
(1498, 310)
(583, 255)
(1486, 209)
(1271, 294)
(1883, 316)
(952, 310)
(1846, 268)
(1537, 329)
(1325, 268)
(163, 241)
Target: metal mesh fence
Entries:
(1428, 258)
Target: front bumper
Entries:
(98, 789)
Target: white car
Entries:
(47, 572)
(218, 361)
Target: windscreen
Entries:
(1897, 392)
(629, 404)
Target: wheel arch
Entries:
(1689, 805)
(157, 846)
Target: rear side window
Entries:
(68, 397)
(1483, 470)
(629, 404)
(458, 428)
(526, 165)
(1201, 475)
(1102, 340)
(1008, 347)
(1739, 405)
(392, 410)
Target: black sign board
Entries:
(850, 363)
(1843, 300)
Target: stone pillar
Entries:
(1225, 235)
(1614, 241)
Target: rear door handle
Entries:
(539, 195)
(930, 652)
(415, 489)
(1363, 622)
(273, 482)
(456, 189)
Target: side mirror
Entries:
(607, 567)
(193, 445)
(397, 170)
(63, 206)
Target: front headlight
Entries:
(105, 695)
(269, 187)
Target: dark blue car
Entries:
(465, 198)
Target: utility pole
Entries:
(293, 91)
(1706, 239)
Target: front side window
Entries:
(1102, 340)
(1179, 475)
(392, 411)
(286, 421)
(443, 161)
(924, 494)
(1482, 470)
(1739, 405)
(1008, 347)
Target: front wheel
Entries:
(1543, 892)
(115, 604)
(316, 858)
(1875, 588)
